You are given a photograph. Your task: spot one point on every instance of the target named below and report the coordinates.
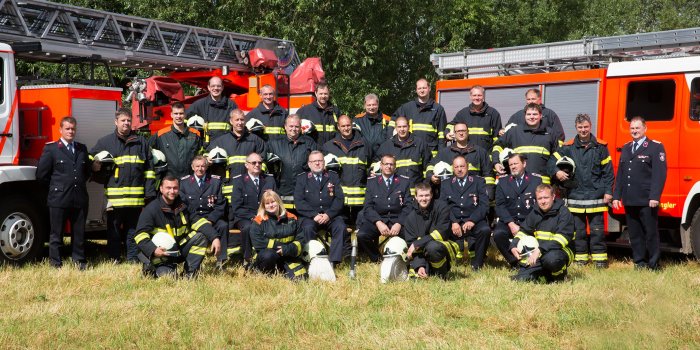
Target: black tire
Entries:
(22, 234)
(695, 234)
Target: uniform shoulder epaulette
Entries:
(569, 142)
(371, 177)
(269, 175)
(163, 131)
(627, 143)
(237, 176)
(215, 176)
(536, 174)
(659, 142)
(185, 177)
(50, 142)
(404, 176)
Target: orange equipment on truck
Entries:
(654, 75)
(93, 42)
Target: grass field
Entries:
(112, 307)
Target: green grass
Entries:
(112, 307)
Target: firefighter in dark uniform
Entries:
(128, 187)
(319, 198)
(427, 119)
(640, 181)
(201, 193)
(468, 204)
(533, 140)
(372, 124)
(247, 190)
(515, 198)
(168, 214)
(427, 231)
(277, 238)
(412, 153)
(178, 143)
(388, 201)
(270, 114)
(215, 109)
(238, 144)
(64, 166)
(591, 191)
(353, 156)
(484, 121)
(477, 157)
(291, 153)
(323, 113)
(552, 225)
(549, 118)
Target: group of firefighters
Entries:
(268, 187)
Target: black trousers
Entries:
(434, 258)
(192, 253)
(643, 226)
(593, 243)
(368, 239)
(502, 237)
(551, 267)
(58, 217)
(236, 243)
(268, 261)
(478, 241)
(121, 230)
(337, 232)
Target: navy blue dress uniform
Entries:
(412, 156)
(179, 149)
(206, 207)
(478, 158)
(322, 194)
(273, 119)
(353, 156)
(429, 231)
(592, 180)
(324, 120)
(373, 129)
(237, 149)
(515, 199)
(216, 115)
(65, 169)
(293, 156)
(268, 234)
(537, 145)
(484, 124)
(549, 118)
(389, 203)
(128, 187)
(157, 217)
(244, 206)
(427, 121)
(554, 231)
(640, 178)
(467, 200)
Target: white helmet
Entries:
(312, 250)
(163, 240)
(443, 170)
(332, 162)
(393, 268)
(567, 165)
(196, 122)
(272, 158)
(377, 168)
(218, 155)
(503, 157)
(104, 157)
(508, 127)
(159, 162)
(356, 127)
(395, 246)
(525, 247)
(254, 125)
(307, 126)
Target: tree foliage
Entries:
(384, 46)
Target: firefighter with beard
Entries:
(322, 113)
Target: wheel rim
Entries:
(16, 236)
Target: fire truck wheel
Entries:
(695, 234)
(21, 232)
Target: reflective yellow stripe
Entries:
(150, 174)
(298, 245)
(497, 148)
(198, 250)
(328, 128)
(274, 130)
(433, 153)
(560, 143)
(123, 191)
(351, 161)
(551, 236)
(141, 236)
(270, 243)
(581, 257)
(479, 131)
(91, 157)
(288, 205)
(605, 161)
(545, 179)
(353, 191)
(234, 250)
(599, 257)
(235, 160)
(557, 155)
(438, 264)
(423, 127)
(490, 180)
(405, 162)
(127, 202)
(413, 191)
(588, 210)
(184, 240)
(227, 189)
(127, 159)
(354, 200)
(531, 149)
(201, 222)
(218, 126)
(436, 235)
(520, 235)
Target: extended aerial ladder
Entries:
(46, 31)
(596, 52)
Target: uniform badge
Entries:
(331, 189)
(645, 144)
(662, 156)
(475, 198)
(211, 200)
(400, 199)
(527, 203)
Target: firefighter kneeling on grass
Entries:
(164, 237)
(546, 257)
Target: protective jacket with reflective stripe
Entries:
(593, 176)
(237, 149)
(412, 156)
(293, 156)
(133, 178)
(179, 149)
(158, 216)
(216, 115)
(478, 158)
(272, 118)
(353, 170)
(423, 226)
(374, 130)
(484, 124)
(426, 121)
(324, 120)
(549, 119)
(270, 232)
(537, 145)
(554, 229)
